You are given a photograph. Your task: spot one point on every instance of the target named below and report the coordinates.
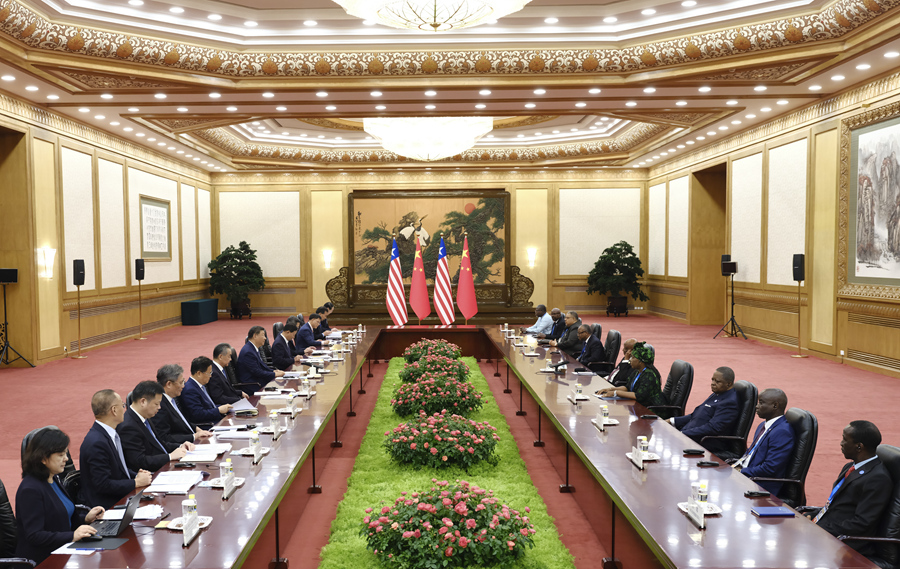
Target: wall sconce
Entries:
(326, 255)
(45, 261)
(532, 255)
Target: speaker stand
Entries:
(735, 327)
(5, 348)
(79, 356)
(140, 315)
(799, 354)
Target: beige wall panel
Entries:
(532, 219)
(78, 214)
(188, 233)
(821, 271)
(746, 217)
(656, 221)
(672, 305)
(205, 230)
(46, 234)
(679, 224)
(143, 183)
(593, 219)
(269, 222)
(874, 339)
(110, 183)
(787, 210)
(325, 205)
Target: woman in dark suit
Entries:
(46, 517)
(643, 384)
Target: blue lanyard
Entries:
(631, 389)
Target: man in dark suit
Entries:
(862, 489)
(306, 337)
(619, 376)
(105, 476)
(170, 424)
(220, 386)
(592, 350)
(557, 329)
(323, 328)
(282, 356)
(141, 445)
(569, 342)
(250, 366)
(715, 416)
(772, 444)
(329, 306)
(195, 401)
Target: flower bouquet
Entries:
(435, 364)
(423, 347)
(435, 392)
(442, 440)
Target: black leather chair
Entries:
(231, 374)
(611, 350)
(736, 443)
(277, 329)
(677, 389)
(302, 320)
(806, 435)
(266, 352)
(597, 330)
(8, 535)
(887, 542)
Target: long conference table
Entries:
(633, 511)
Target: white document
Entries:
(233, 435)
(199, 456)
(243, 405)
(218, 448)
(172, 482)
(64, 550)
(149, 512)
(221, 428)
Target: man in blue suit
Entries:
(250, 366)
(140, 443)
(592, 350)
(220, 386)
(772, 444)
(715, 416)
(282, 355)
(195, 400)
(105, 477)
(171, 425)
(306, 337)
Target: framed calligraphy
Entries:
(156, 229)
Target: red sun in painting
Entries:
(470, 207)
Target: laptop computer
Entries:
(112, 528)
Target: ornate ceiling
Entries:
(291, 92)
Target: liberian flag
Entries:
(396, 297)
(443, 299)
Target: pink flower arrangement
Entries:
(442, 439)
(435, 364)
(433, 393)
(423, 530)
(423, 347)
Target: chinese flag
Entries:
(465, 288)
(418, 292)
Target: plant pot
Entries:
(617, 305)
(240, 308)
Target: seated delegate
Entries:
(197, 405)
(143, 449)
(622, 373)
(569, 342)
(251, 369)
(47, 518)
(220, 384)
(715, 416)
(773, 442)
(643, 386)
(170, 424)
(556, 329)
(282, 352)
(544, 322)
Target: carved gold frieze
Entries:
(114, 82)
(758, 74)
(834, 21)
(504, 177)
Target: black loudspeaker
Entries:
(9, 276)
(78, 272)
(799, 267)
(729, 268)
(725, 259)
(138, 269)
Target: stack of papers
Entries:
(199, 456)
(234, 435)
(243, 405)
(294, 374)
(221, 428)
(173, 482)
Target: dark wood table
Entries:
(632, 511)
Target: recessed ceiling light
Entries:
(580, 105)
(160, 95)
(530, 105)
(648, 12)
(815, 87)
(250, 24)
(892, 54)
(538, 133)
(84, 110)
(268, 95)
(732, 103)
(751, 116)
(630, 104)
(702, 137)
(197, 158)
(711, 133)
(480, 106)
(689, 3)
(255, 123)
(380, 108)
(376, 93)
(594, 91)
(573, 130)
(8, 78)
(133, 110)
(680, 146)
(176, 10)
(555, 132)
(53, 97)
(551, 20)
(863, 66)
(203, 161)
(303, 135)
(214, 95)
(837, 77)
(430, 93)
(782, 102)
(231, 109)
(490, 136)
(681, 103)
(170, 148)
(161, 143)
(610, 20)
(540, 91)
(114, 123)
(140, 134)
(520, 136)
(484, 92)
(430, 107)
(663, 153)
(321, 136)
(760, 88)
(705, 89)
(280, 108)
(99, 117)
(689, 142)
(106, 96)
(735, 122)
(188, 155)
(214, 17)
(723, 128)
(650, 90)
(368, 23)
(182, 109)
(136, 2)
(151, 140)
(592, 128)
(31, 88)
(128, 129)
(765, 109)
(322, 94)
(310, 23)
(330, 108)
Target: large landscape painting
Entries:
(878, 203)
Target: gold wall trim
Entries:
(812, 113)
(752, 303)
(147, 294)
(588, 308)
(94, 341)
(132, 305)
(576, 289)
(770, 297)
(766, 334)
(869, 309)
(271, 310)
(505, 177)
(873, 320)
(672, 291)
(835, 21)
(270, 290)
(667, 312)
(874, 359)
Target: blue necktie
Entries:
(208, 398)
(152, 434)
(584, 349)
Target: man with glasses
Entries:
(170, 424)
(196, 403)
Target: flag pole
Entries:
(465, 235)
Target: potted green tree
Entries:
(235, 273)
(616, 275)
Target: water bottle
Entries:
(188, 508)
(254, 438)
(273, 421)
(703, 493)
(604, 410)
(226, 468)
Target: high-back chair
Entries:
(677, 389)
(806, 435)
(8, 538)
(735, 444)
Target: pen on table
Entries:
(165, 516)
(89, 549)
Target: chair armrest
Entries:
(16, 563)
(600, 367)
(654, 407)
(880, 539)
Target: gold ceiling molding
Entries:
(112, 82)
(27, 26)
(230, 144)
(27, 112)
(505, 177)
(756, 74)
(357, 125)
(814, 112)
